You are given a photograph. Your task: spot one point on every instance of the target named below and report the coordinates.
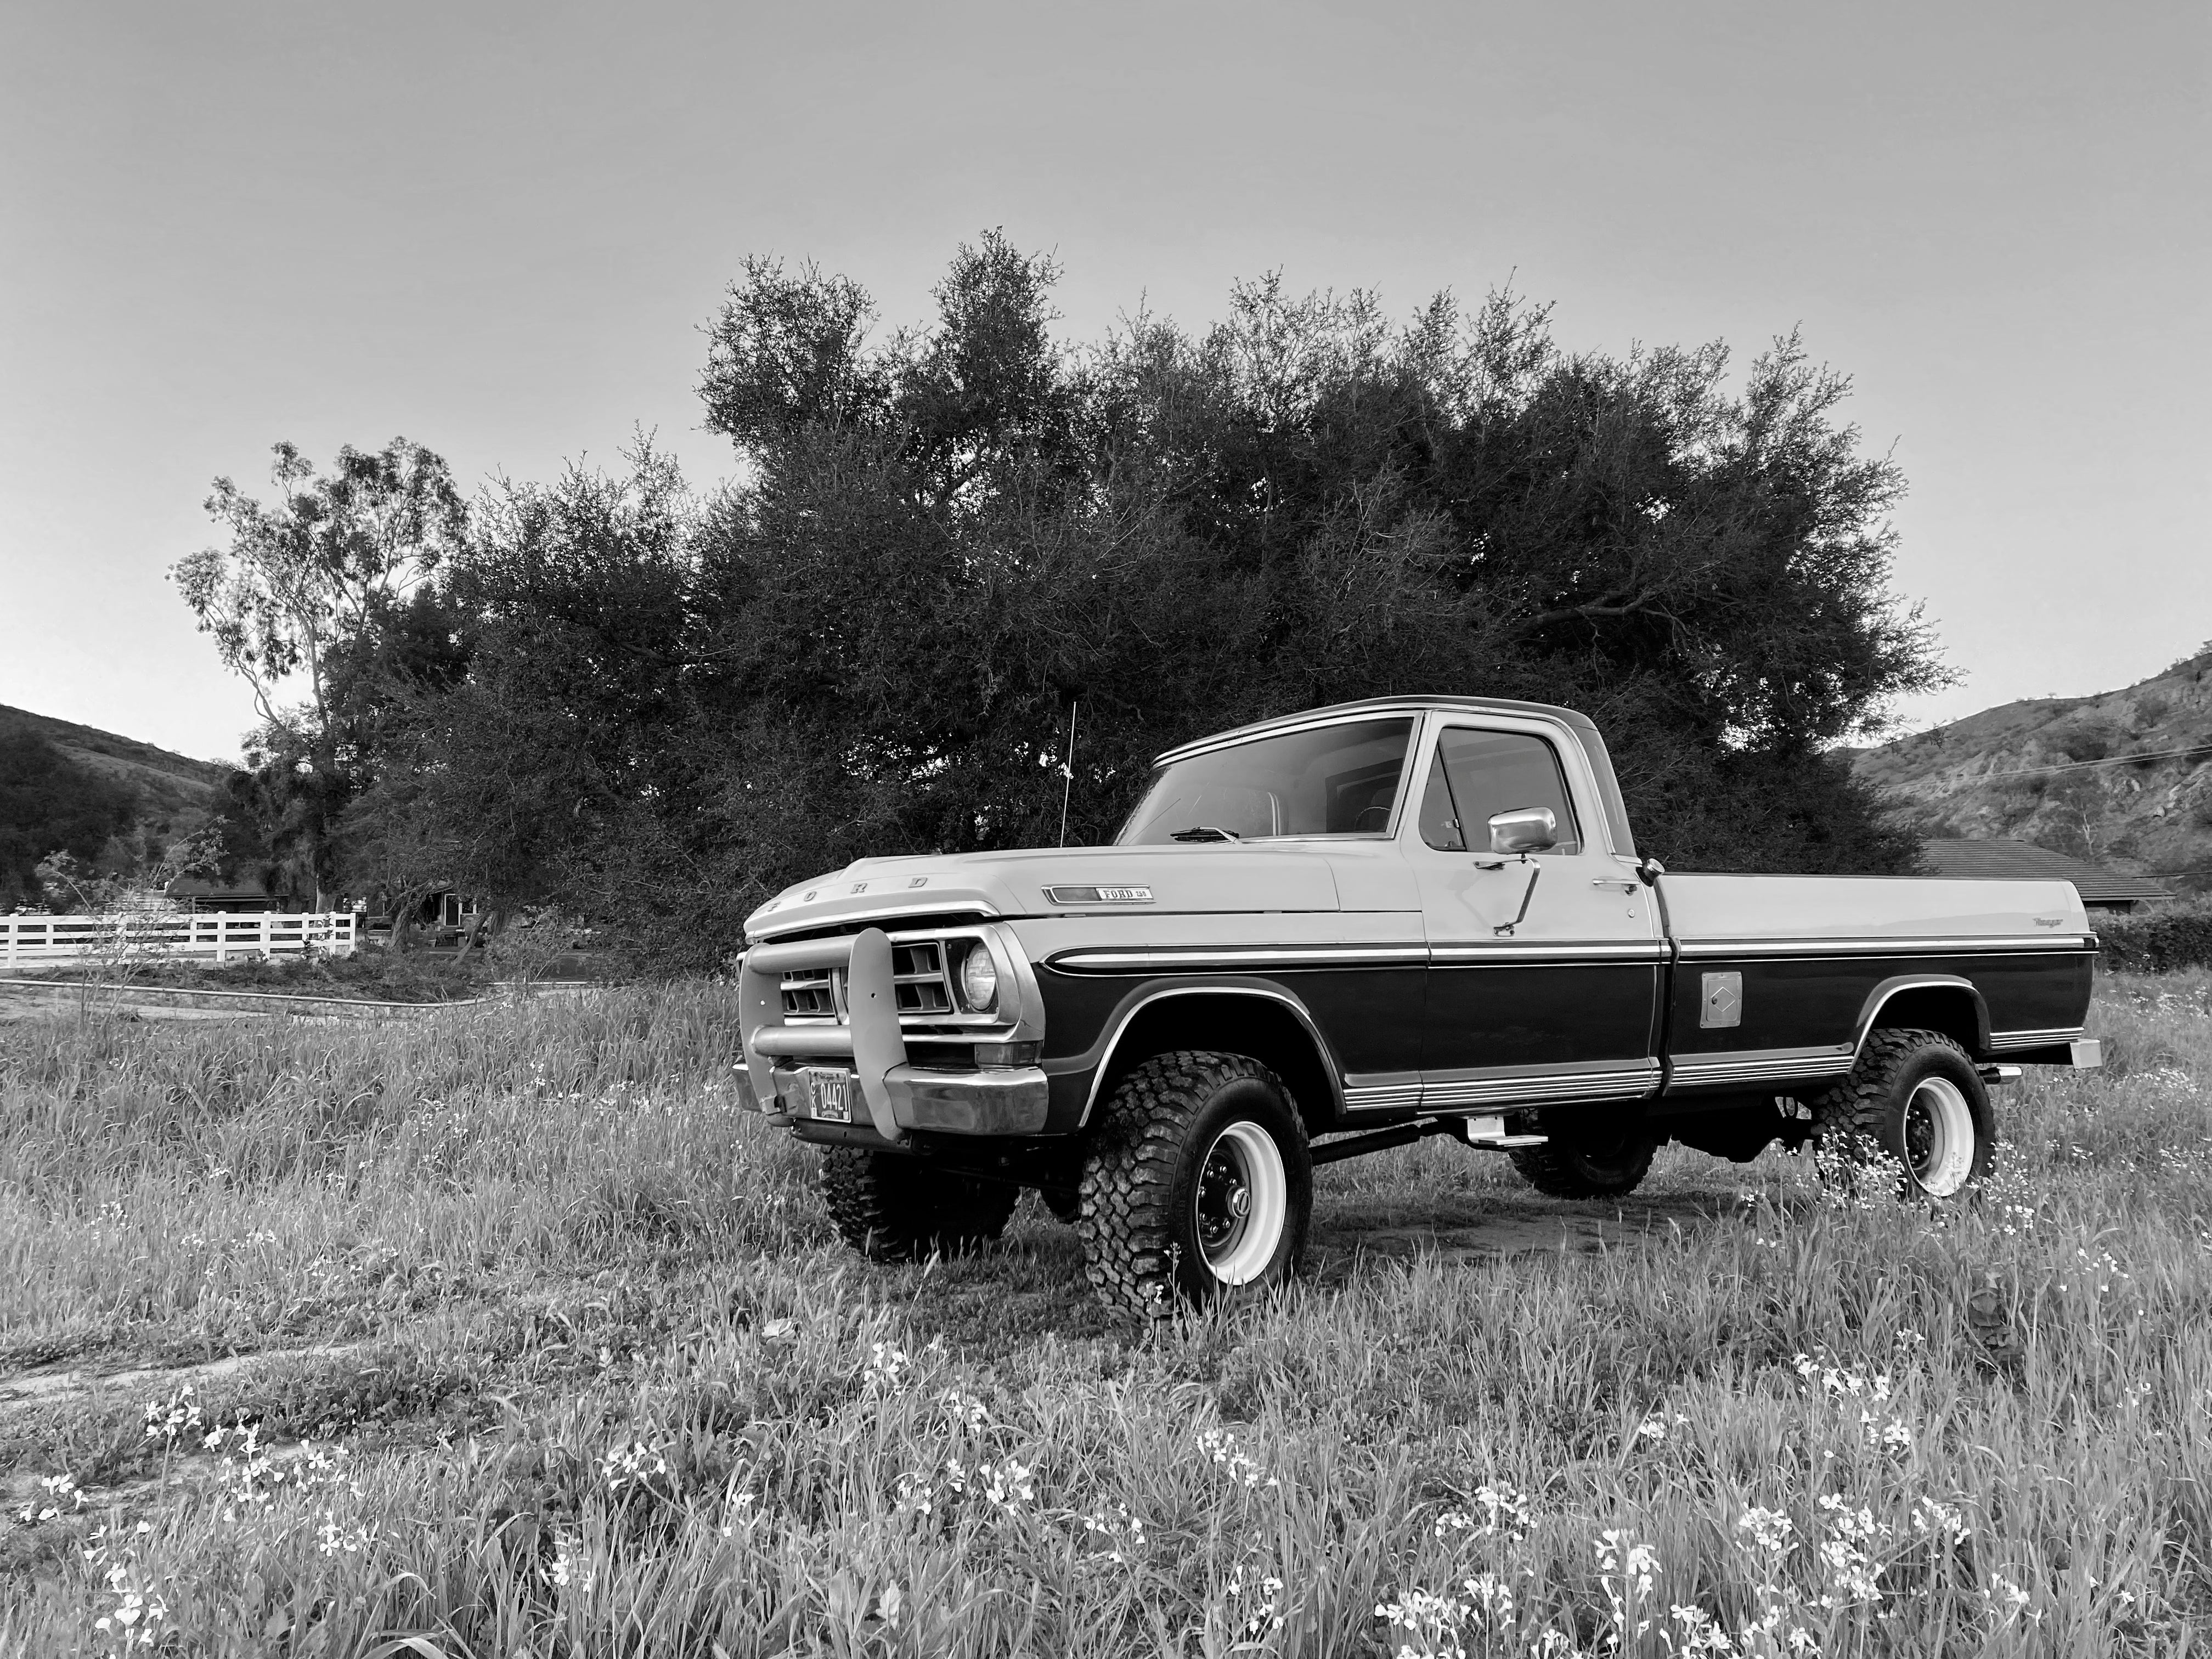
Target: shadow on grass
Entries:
(998, 1303)
(1495, 1227)
(1001, 1301)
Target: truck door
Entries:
(1560, 1004)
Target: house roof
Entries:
(2000, 858)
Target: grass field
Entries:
(542, 1347)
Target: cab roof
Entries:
(1410, 705)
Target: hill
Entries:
(98, 795)
(2125, 777)
(160, 780)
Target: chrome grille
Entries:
(918, 978)
(810, 994)
(918, 981)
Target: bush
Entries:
(2086, 736)
(2159, 941)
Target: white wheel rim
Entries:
(1243, 1200)
(1939, 1136)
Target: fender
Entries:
(1098, 1058)
(1881, 995)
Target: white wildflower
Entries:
(1221, 1446)
(889, 1368)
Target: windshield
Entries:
(1327, 780)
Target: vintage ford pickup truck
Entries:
(1343, 930)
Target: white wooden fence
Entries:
(215, 935)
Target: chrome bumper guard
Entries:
(899, 1096)
(872, 1042)
(1008, 1101)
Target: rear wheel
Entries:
(1590, 1154)
(891, 1208)
(1198, 1187)
(1913, 1098)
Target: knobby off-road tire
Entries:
(1197, 1187)
(1590, 1154)
(894, 1208)
(1914, 1098)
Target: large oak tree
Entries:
(944, 539)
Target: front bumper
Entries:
(870, 1039)
(998, 1101)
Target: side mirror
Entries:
(1526, 830)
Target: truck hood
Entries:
(1208, 876)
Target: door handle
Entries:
(1612, 881)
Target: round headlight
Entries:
(979, 980)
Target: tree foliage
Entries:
(969, 530)
(314, 590)
(946, 537)
(522, 777)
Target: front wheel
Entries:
(1198, 1187)
(891, 1208)
(1913, 1098)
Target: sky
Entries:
(497, 228)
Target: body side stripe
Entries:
(2010, 1040)
(1230, 958)
(1453, 954)
(1233, 958)
(1963, 944)
(1759, 1064)
(1501, 1086)
(1823, 1066)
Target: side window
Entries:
(1478, 774)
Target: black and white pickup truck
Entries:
(1340, 931)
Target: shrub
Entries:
(2086, 736)
(2159, 941)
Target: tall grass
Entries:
(226, 1183)
(614, 1389)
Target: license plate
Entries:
(829, 1094)
(1485, 1128)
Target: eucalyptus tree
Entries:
(299, 599)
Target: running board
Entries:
(1487, 1131)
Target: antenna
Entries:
(1067, 772)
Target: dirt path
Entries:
(44, 1386)
(27, 1391)
(19, 1005)
(21, 1000)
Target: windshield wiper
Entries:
(1204, 832)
